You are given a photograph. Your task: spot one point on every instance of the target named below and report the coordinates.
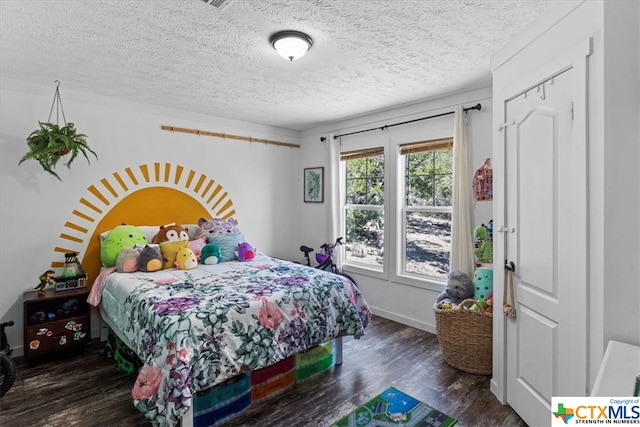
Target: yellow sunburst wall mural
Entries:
(151, 194)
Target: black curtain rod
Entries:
(475, 107)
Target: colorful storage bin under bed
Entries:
(273, 379)
(314, 360)
(222, 402)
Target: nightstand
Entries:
(55, 321)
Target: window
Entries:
(418, 199)
(426, 207)
(364, 206)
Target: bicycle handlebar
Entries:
(333, 245)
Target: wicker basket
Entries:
(466, 337)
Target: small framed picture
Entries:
(314, 185)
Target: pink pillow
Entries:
(197, 245)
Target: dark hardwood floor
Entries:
(87, 389)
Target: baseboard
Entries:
(404, 320)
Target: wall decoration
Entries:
(314, 185)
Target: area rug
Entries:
(393, 407)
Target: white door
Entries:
(546, 207)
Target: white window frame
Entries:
(401, 274)
(349, 264)
(394, 211)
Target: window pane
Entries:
(429, 178)
(365, 236)
(365, 181)
(443, 190)
(365, 226)
(428, 183)
(428, 243)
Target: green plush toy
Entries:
(484, 249)
(122, 236)
(210, 254)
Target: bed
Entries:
(198, 328)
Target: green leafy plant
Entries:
(50, 143)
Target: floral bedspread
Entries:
(197, 328)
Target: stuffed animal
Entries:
(459, 288)
(210, 254)
(482, 283)
(122, 236)
(489, 308)
(127, 261)
(150, 259)
(170, 232)
(479, 304)
(245, 252)
(186, 259)
(484, 249)
(216, 227)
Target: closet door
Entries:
(546, 206)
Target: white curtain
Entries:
(332, 182)
(462, 258)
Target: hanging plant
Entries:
(51, 142)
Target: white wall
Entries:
(621, 106)
(408, 303)
(260, 179)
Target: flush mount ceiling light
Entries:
(291, 45)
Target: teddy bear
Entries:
(459, 288)
(170, 233)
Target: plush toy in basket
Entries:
(459, 288)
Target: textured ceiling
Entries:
(368, 55)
